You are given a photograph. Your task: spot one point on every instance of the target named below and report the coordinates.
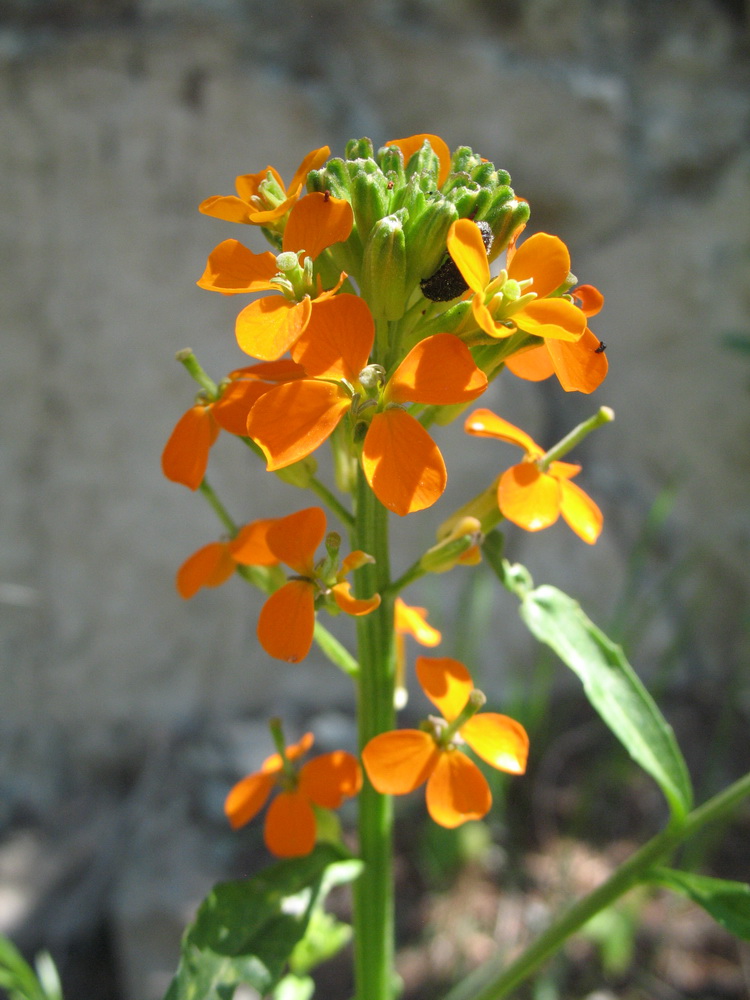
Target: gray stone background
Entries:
(126, 712)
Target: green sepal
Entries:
(383, 277)
(245, 932)
(728, 902)
(390, 159)
(505, 215)
(464, 197)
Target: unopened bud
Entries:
(383, 278)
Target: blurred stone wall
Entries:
(626, 126)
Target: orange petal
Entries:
(342, 593)
(317, 221)
(295, 538)
(485, 423)
(412, 143)
(556, 319)
(247, 798)
(250, 546)
(338, 338)
(269, 326)
(534, 365)
(457, 790)
(412, 621)
(486, 321)
(590, 300)
(499, 740)
(294, 751)
(329, 779)
(402, 463)
(446, 682)
(579, 367)
(232, 268)
(355, 560)
(529, 498)
(544, 258)
(284, 370)
(292, 420)
(314, 159)
(287, 620)
(581, 513)
(399, 761)
(226, 207)
(437, 370)
(208, 567)
(232, 408)
(185, 454)
(466, 247)
(289, 830)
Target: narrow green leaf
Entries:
(612, 687)
(727, 902)
(294, 987)
(16, 975)
(245, 931)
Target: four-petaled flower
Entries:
(530, 495)
(521, 297)
(261, 198)
(399, 761)
(185, 456)
(271, 325)
(287, 619)
(401, 462)
(581, 366)
(290, 827)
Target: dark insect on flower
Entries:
(601, 348)
(447, 282)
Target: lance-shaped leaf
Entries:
(727, 902)
(612, 687)
(245, 931)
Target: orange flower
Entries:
(521, 297)
(534, 497)
(397, 762)
(410, 621)
(287, 619)
(324, 781)
(580, 366)
(213, 564)
(185, 456)
(271, 325)
(262, 198)
(402, 463)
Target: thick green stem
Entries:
(373, 893)
(494, 983)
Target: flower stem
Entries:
(373, 891)
(494, 984)
(603, 415)
(221, 512)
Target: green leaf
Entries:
(245, 931)
(727, 902)
(294, 987)
(612, 687)
(325, 937)
(16, 975)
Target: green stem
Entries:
(373, 892)
(221, 512)
(190, 362)
(484, 985)
(603, 415)
(334, 504)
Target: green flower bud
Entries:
(383, 278)
(426, 165)
(333, 177)
(359, 149)
(370, 200)
(425, 239)
(505, 216)
(465, 199)
(390, 159)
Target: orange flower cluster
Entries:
(374, 317)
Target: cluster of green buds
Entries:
(403, 209)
